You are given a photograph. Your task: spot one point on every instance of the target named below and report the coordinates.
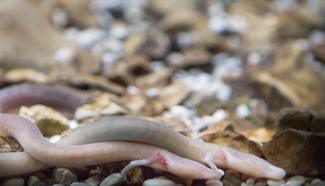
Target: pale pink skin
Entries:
(71, 152)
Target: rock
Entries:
(225, 134)
(319, 51)
(231, 178)
(95, 82)
(103, 104)
(294, 118)
(113, 179)
(317, 124)
(49, 121)
(192, 57)
(275, 182)
(35, 181)
(289, 148)
(25, 75)
(14, 182)
(316, 181)
(301, 119)
(64, 176)
(296, 181)
(180, 20)
(94, 180)
(158, 182)
(260, 183)
(213, 183)
(156, 44)
(80, 184)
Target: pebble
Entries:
(14, 182)
(89, 37)
(296, 181)
(113, 179)
(64, 54)
(213, 183)
(275, 182)
(260, 183)
(35, 181)
(317, 182)
(158, 182)
(80, 184)
(243, 111)
(94, 180)
(231, 178)
(64, 176)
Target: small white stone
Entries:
(153, 92)
(158, 182)
(55, 138)
(296, 181)
(132, 90)
(243, 111)
(275, 182)
(64, 54)
(73, 124)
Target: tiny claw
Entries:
(208, 159)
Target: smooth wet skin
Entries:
(115, 139)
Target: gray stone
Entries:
(80, 184)
(14, 182)
(158, 182)
(35, 181)
(231, 178)
(94, 180)
(213, 183)
(113, 179)
(64, 176)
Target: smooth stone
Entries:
(275, 182)
(64, 176)
(158, 182)
(316, 181)
(213, 183)
(260, 183)
(296, 181)
(58, 184)
(113, 179)
(231, 178)
(35, 181)
(80, 184)
(94, 180)
(14, 182)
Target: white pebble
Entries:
(64, 54)
(243, 111)
(296, 181)
(73, 124)
(158, 182)
(55, 138)
(152, 92)
(275, 182)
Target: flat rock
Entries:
(298, 152)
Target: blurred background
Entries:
(192, 63)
